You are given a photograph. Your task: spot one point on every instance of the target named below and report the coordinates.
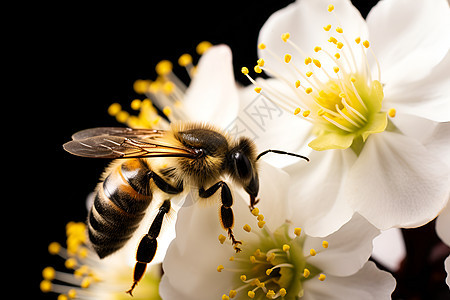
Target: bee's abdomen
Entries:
(119, 206)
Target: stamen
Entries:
(322, 277)
(222, 238)
(392, 112)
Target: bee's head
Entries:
(242, 165)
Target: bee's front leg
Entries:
(226, 212)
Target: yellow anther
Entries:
(325, 244)
(54, 248)
(247, 228)
(256, 282)
(306, 113)
(225, 297)
(317, 49)
(48, 273)
(252, 259)
(114, 109)
(72, 294)
(184, 60)
(260, 62)
(317, 63)
(202, 47)
(231, 258)
(70, 263)
(287, 58)
(286, 247)
(335, 69)
(366, 44)
(86, 282)
(337, 55)
(270, 294)
(297, 83)
(222, 238)
(285, 36)
(260, 217)
(244, 70)
(257, 89)
(339, 45)
(308, 90)
(243, 277)
(330, 7)
(333, 40)
(45, 286)
(167, 111)
(255, 211)
(257, 252)
(168, 87)
(339, 30)
(358, 40)
(136, 104)
(309, 73)
(392, 112)
(268, 271)
(164, 67)
(322, 277)
(352, 79)
(232, 293)
(312, 252)
(297, 231)
(306, 273)
(141, 86)
(270, 257)
(327, 28)
(320, 112)
(261, 224)
(282, 292)
(257, 69)
(308, 60)
(251, 294)
(262, 46)
(220, 268)
(62, 297)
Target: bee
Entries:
(173, 161)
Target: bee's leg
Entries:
(226, 213)
(147, 247)
(166, 187)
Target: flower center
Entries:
(274, 265)
(333, 89)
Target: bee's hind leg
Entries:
(147, 247)
(226, 212)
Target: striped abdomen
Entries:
(119, 206)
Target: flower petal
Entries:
(409, 39)
(212, 95)
(315, 197)
(389, 249)
(443, 225)
(447, 269)
(332, 140)
(396, 183)
(369, 283)
(349, 248)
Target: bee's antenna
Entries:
(280, 152)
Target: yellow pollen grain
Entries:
(325, 244)
(282, 292)
(270, 294)
(222, 238)
(184, 60)
(308, 90)
(62, 297)
(140, 86)
(262, 46)
(317, 63)
(167, 111)
(70, 263)
(308, 60)
(358, 40)
(136, 104)
(257, 89)
(252, 259)
(202, 47)
(231, 258)
(337, 55)
(339, 45)
(339, 30)
(243, 277)
(257, 69)
(312, 252)
(48, 273)
(255, 211)
(285, 36)
(297, 231)
(261, 224)
(286, 247)
(114, 109)
(309, 73)
(260, 62)
(392, 112)
(352, 79)
(164, 67)
(251, 294)
(297, 83)
(317, 49)
(335, 69)
(260, 217)
(232, 293)
(287, 58)
(306, 273)
(54, 248)
(86, 282)
(270, 257)
(268, 272)
(333, 40)
(244, 70)
(297, 111)
(327, 28)
(322, 277)
(366, 44)
(306, 113)
(247, 228)
(45, 286)
(330, 7)
(225, 297)
(72, 294)
(220, 268)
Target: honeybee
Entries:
(187, 155)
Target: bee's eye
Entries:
(242, 165)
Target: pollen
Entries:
(184, 60)
(286, 247)
(358, 40)
(297, 83)
(257, 69)
(45, 286)
(317, 49)
(243, 277)
(202, 47)
(325, 244)
(70, 263)
(309, 74)
(222, 238)
(330, 7)
(308, 90)
(306, 112)
(322, 277)
(262, 46)
(136, 104)
(232, 293)
(270, 294)
(164, 67)
(306, 273)
(220, 268)
(339, 45)
(366, 44)
(225, 297)
(54, 248)
(287, 58)
(297, 231)
(335, 69)
(312, 252)
(317, 63)
(247, 228)
(86, 282)
(260, 62)
(244, 70)
(48, 273)
(167, 111)
(257, 89)
(282, 292)
(337, 55)
(327, 28)
(308, 60)
(255, 211)
(251, 294)
(114, 109)
(261, 224)
(285, 36)
(339, 30)
(260, 217)
(392, 112)
(297, 111)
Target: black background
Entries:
(70, 62)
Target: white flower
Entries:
(443, 231)
(277, 260)
(378, 109)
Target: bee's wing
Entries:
(111, 142)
